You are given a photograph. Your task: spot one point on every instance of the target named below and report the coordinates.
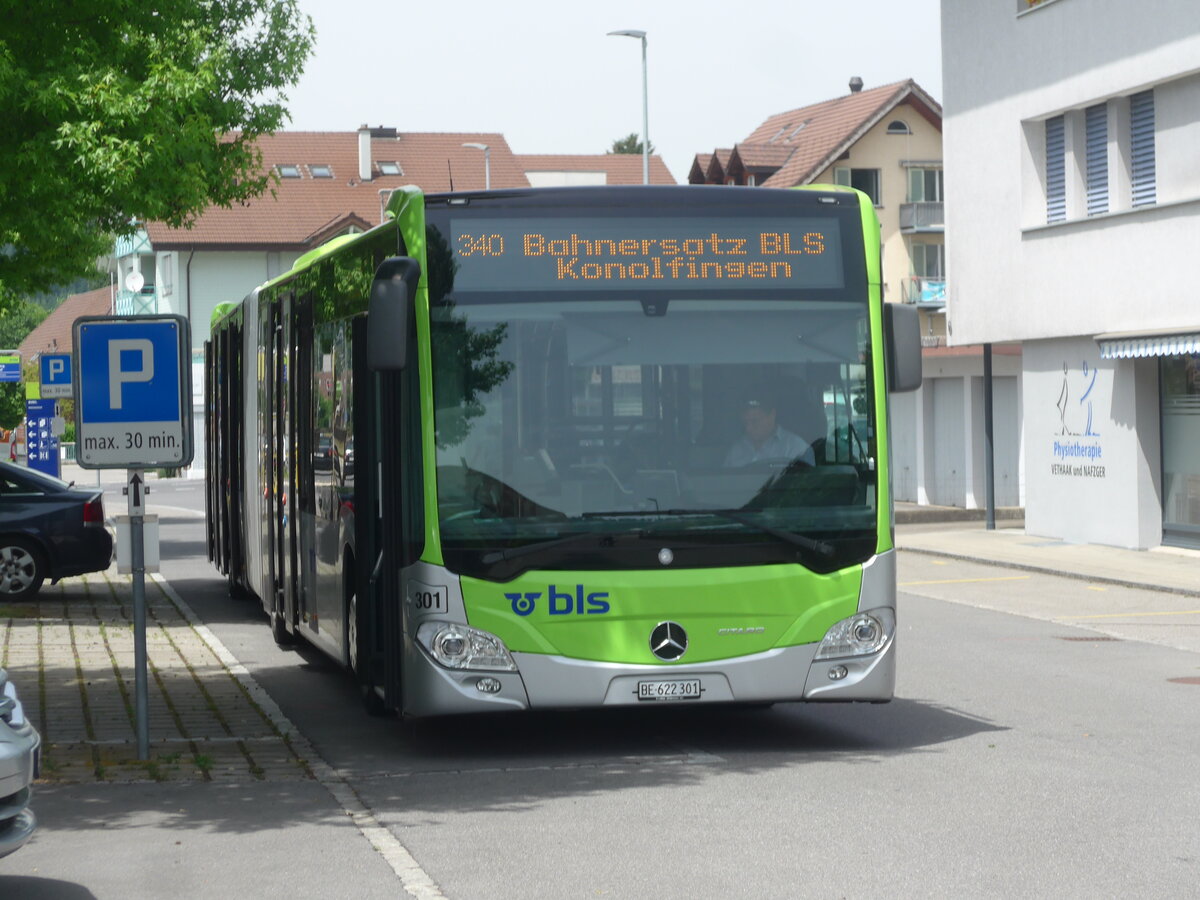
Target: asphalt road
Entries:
(1024, 755)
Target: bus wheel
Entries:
(279, 632)
(372, 702)
(236, 591)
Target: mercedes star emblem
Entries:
(668, 641)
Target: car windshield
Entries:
(595, 432)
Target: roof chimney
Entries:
(364, 153)
(855, 84)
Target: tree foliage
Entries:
(631, 143)
(119, 109)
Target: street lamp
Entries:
(487, 163)
(629, 32)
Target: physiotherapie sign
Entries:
(133, 390)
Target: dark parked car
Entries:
(48, 529)
(323, 455)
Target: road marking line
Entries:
(1135, 615)
(415, 880)
(966, 580)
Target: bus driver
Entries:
(763, 438)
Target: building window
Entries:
(751, 180)
(929, 260)
(390, 168)
(320, 170)
(866, 180)
(287, 170)
(898, 127)
(925, 186)
(1056, 169)
(1142, 159)
(1095, 122)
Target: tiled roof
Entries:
(717, 164)
(621, 168)
(808, 140)
(54, 334)
(699, 170)
(304, 211)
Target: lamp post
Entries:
(629, 32)
(487, 163)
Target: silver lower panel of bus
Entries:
(557, 682)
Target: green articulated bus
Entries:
(564, 448)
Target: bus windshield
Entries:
(616, 433)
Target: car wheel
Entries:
(22, 568)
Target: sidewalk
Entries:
(70, 651)
(1176, 571)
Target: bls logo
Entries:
(561, 603)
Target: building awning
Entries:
(1136, 345)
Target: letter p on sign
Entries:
(119, 351)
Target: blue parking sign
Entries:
(133, 391)
(56, 374)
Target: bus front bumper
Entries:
(557, 682)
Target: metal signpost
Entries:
(132, 411)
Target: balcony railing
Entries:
(144, 302)
(924, 216)
(927, 293)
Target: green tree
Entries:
(631, 143)
(116, 110)
(17, 319)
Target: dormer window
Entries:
(287, 170)
(390, 168)
(320, 170)
(898, 127)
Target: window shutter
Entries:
(1056, 170)
(1096, 136)
(1141, 113)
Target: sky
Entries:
(545, 74)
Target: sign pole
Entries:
(137, 548)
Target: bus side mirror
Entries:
(902, 336)
(392, 295)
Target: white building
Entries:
(1071, 130)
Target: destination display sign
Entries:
(668, 253)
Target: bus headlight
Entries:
(860, 635)
(462, 647)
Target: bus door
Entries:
(229, 491)
(382, 528)
(303, 493)
(283, 607)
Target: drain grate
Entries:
(1090, 640)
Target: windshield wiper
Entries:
(580, 537)
(824, 548)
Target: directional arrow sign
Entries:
(133, 392)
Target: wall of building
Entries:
(938, 451)
(1012, 276)
(1092, 445)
